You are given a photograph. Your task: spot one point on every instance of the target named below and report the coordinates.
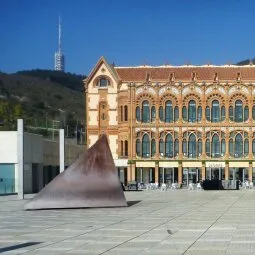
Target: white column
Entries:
(172, 175)
(141, 174)
(163, 175)
(61, 150)
(20, 155)
(150, 175)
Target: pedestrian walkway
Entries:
(172, 222)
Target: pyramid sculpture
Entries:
(91, 181)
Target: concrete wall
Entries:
(37, 153)
(8, 147)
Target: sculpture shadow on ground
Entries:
(18, 246)
(131, 203)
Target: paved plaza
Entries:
(171, 222)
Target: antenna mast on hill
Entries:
(59, 57)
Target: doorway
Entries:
(191, 175)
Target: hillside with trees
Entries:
(44, 99)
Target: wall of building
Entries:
(39, 154)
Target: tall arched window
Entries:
(239, 111)
(121, 113)
(138, 114)
(153, 147)
(207, 147)
(126, 148)
(125, 113)
(199, 113)
(146, 146)
(215, 146)
(223, 113)
(192, 111)
(246, 147)
(253, 147)
(169, 146)
(138, 148)
(253, 112)
(238, 146)
(145, 111)
(231, 147)
(207, 113)
(153, 113)
(169, 112)
(184, 113)
(176, 147)
(231, 113)
(176, 113)
(161, 113)
(121, 151)
(161, 147)
(215, 111)
(246, 113)
(192, 150)
(184, 147)
(223, 147)
(199, 147)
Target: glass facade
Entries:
(7, 178)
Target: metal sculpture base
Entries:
(91, 181)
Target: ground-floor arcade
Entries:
(189, 172)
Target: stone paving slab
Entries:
(171, 222)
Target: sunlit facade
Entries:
(175, 124)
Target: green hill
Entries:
(42, 98)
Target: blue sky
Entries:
(130, 32)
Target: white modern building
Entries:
(41, 161)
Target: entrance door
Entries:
(193, 175)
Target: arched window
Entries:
(223, 147)
(161, 147)
(125, 113)
(199, 113)
(192, 111)
(238, 146)
(121, 149)
(199, 147)
(253, 112)
(153, 113)
(169, 112)
(103, 82)
(153, 147)
(215, 146)
(184, 113)
(121, 113)
(176, 147)
(184, 147)
(207, 148)
(231, 147)
(161, 113)
(223, 113)
(126, 148)
(239, 111)
(138, 148)
(192, 150)
(207, 113)
(215, 111)
(176, 113)
(146, 146)
(253, 147)
(145, 111)
(169, 146)
(246, 113)
(231, 113)
(246, 147)
(138, 114)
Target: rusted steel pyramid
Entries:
(91, 181)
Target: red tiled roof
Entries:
(203, 73)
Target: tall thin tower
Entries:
(59, 56)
